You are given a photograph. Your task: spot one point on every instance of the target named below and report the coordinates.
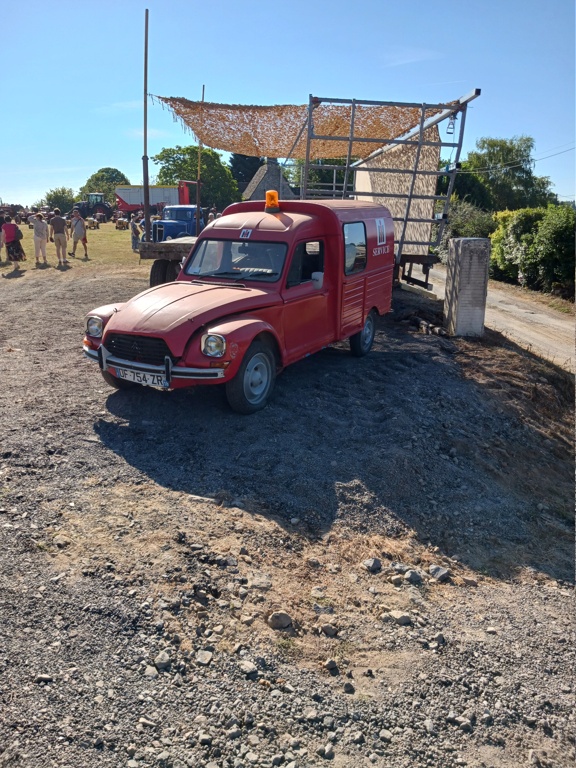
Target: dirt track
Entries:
(524, 319)
(139, 523)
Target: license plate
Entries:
(147, 379)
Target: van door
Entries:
(308, 317)
(354, 282)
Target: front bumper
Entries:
(168, 372)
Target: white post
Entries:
(466, 286)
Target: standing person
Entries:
(78, 234)
(14, 249)
(1, 243)
(40, 238)
(59, 235)
(134, 232)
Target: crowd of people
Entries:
(54, 230)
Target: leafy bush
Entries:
(465, 220)
(511, 242)
(550, 263)
(535, 246)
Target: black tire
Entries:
(250, 390)
(112, 381)
(172, 271)
(158, 272)
(361, 342)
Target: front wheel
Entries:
(361, 342)
(112, 381)
(250, 390)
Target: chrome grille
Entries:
(140, 349)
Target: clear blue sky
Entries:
(72, 84)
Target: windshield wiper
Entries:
(263, 273)
(237, 275)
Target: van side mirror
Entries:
(317, 279)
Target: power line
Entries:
(513, 164)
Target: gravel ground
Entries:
(406, 519)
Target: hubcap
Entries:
(367, 331)
(257, 378)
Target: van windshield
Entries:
(238, 260)
(178, 214)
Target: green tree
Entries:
(61, 197)
(499, 176)
(105, 180)
(505, 167)
(467, 186)
(243, 167)
(218, 187)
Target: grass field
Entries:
(108, 247)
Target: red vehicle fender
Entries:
(105, 313)
(240, 332)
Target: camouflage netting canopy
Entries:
(272, 131)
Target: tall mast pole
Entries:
(198, 180)
(145, 156)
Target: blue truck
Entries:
(172, 239)
(176, 221)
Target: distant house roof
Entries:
(268, 176)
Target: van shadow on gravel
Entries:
(395, 442)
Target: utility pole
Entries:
(145, 156)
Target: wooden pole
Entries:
(145, 156)
(198, 181)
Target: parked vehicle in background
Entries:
(130, 197)
(94, 204)
(263, 287)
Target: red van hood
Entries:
(174, 310)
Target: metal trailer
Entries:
(345, 177)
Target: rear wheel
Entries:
(250, 390)
(112, 381)
(361, 342)
(158, 272)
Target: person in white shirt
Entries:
(40, 238)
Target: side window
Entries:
(307, 258)
(355, 247)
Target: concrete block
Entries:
(466, 286)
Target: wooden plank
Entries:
(170, 250)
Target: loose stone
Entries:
(373, 565)
(279, 620)
(439, 573)
(162, 661)
(204, 658)
(401, 618)
(248, 668)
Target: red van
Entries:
(265, 285)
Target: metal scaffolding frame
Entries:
(346, 187)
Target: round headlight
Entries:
(213, 345)
(94, 326)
